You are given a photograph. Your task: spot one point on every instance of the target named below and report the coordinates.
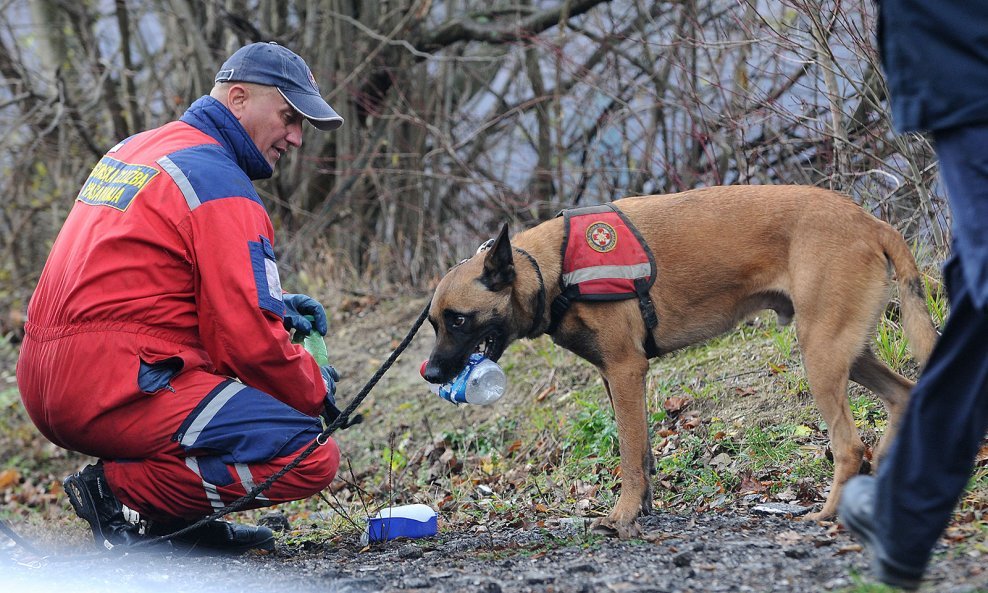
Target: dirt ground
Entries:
(733, 549)
(708, 552)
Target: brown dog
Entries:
(721, 253)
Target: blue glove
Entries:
(297, 306)
(330, 376)
(330, 412)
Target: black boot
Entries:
(217, 536)
(93, 501)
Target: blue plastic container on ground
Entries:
(412, 521)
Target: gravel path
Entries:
(711, 552)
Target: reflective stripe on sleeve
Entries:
(175, 172)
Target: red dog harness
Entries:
(605, 259)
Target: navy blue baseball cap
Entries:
(275, 65)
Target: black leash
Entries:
(340, 421)
(9, 532)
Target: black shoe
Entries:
(93, 501)
(217, 536)
(856, 510)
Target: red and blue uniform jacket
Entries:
(168, 256)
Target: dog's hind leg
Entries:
(827, 363)
(836, 314)
(625, 383)
(869, 371)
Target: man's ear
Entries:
(236, 99)
(499, 265)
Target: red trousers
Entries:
(184, 450)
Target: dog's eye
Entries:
(458, 321)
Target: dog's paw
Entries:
(611, 528)
(820, 516)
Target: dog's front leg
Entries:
(625, 383)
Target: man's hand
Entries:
(297, 306)
(330, 411)
(330, 376)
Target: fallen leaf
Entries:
(802, 431)
(675, 404)
(788, 537)
(55, 488)
(692, 423)
(749, 485)
(545, 393)
(8, 478)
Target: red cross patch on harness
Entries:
(601, 237)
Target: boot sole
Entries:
(85, 508)
(863, 530)
(267, 545)
(191, 543)
(207, 545)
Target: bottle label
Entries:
(456, 390)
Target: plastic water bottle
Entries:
(481, 382)
(314, 343)
(412, 521)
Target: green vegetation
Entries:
(731, 422)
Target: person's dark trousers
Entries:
(930, 463)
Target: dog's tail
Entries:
(916, 321)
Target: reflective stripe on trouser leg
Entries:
(247, 480)
(212, 494)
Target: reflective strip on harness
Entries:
(608, 272)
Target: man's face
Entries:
(271, 122)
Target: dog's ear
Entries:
(499, 265)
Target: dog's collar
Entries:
(536, 329)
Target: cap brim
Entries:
(314, 108)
